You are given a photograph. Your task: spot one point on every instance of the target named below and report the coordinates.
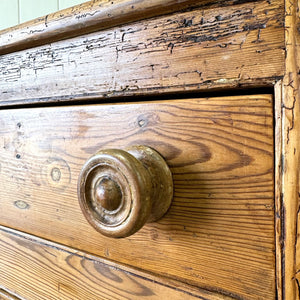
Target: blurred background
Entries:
(13, 12)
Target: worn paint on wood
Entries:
(219, 231)
(89, 17)
(290, 151)
(207, 48)
(278, 93)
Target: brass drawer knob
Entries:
(120, 190)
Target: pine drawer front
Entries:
(33, 268)
(219, 231)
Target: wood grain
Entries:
(290, 149)
(219, 231)
(205, 48)
(58, 272)
(85, 18)
(4, 295)
(279, 220)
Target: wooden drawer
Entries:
(218, 233)
(34, 268)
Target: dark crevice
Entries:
(61, 101)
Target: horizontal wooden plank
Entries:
(85, 18)
(219, 231)
(207, 48)
(37, 269)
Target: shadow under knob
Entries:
(120, 190)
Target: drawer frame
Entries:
(286, 109)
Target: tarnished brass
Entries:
(120, 190)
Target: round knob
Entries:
(108, 194)
(120, 190)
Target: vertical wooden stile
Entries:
(290, 155)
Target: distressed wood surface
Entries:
(202, 49)
(290, 150)
(85, 18)
(92, 16)
(219, 231)
(278, 94)
(58, 272)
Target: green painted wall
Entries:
(13, 12)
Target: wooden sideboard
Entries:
(213, 87)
